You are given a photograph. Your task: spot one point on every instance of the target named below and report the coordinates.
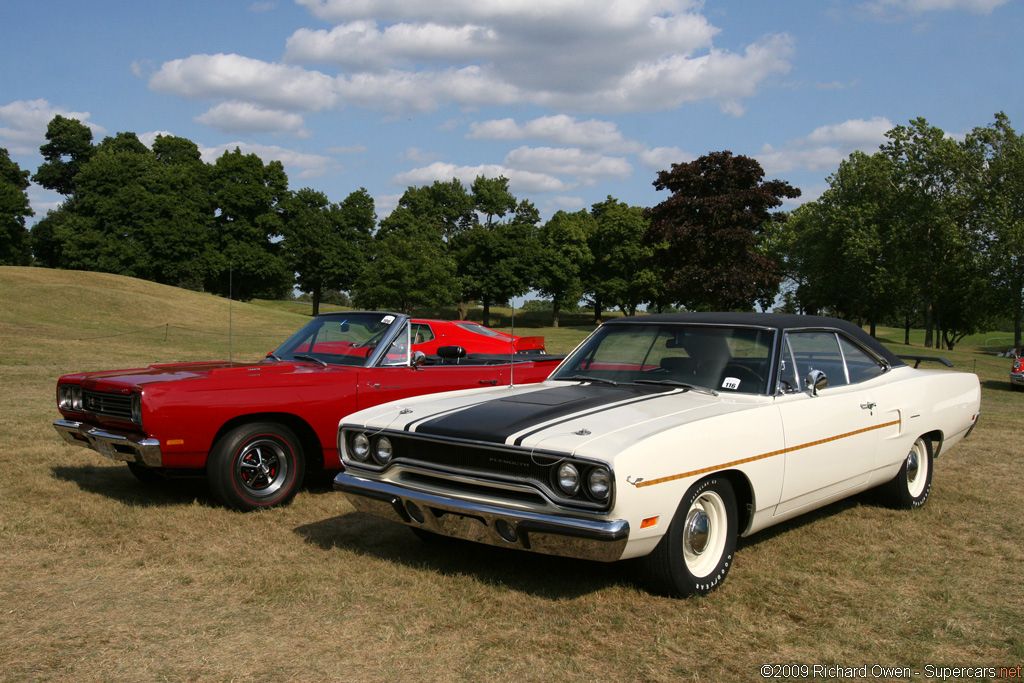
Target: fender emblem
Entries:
(633, 481)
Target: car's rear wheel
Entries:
(258, 465)
(912, 484)
(695, 554)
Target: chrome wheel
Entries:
(262, 467)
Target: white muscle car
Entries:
(663, 437)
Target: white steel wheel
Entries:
(910, 487)
(694, 555)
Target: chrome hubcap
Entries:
(696, 533)
(262, 467)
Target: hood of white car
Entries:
(555, 416)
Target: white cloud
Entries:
(308, 165)
(662, 158)
(826, 146)
(887, 7)
(234, 77)
(26, 122)
(244, 117)
(398, 56)
(588, 167)
(559, 129)
(519, 182)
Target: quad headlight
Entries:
(370, 449)
(568, 478)
(593, 481)
(599, 483)
(360, 447)
(382, 450)
(137, 409)
(69, 397)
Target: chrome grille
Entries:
(107, 404)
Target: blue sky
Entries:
(572, 100)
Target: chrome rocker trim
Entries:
(111, 445)
(584, 539)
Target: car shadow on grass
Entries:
(546, 576)
(118, 483)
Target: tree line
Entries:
(928, 231)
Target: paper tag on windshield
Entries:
(730, 383)
(388, 319)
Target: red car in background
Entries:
(428, 335)
(1017, 372)
(254, 429)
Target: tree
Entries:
(246, 197)
(930, 211)
(406, 268)
(998, 195)
(623, 272)
(565, 259)
(15, 249)
(714, 228)
(847, 237)
(498, 261)
(324, 242)
(68, 148)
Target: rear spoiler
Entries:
(918, 359)
(530, 344)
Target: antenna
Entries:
(512, 348)
(230, 283)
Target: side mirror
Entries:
(815, 380)
(418, 358)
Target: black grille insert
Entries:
(106, 404)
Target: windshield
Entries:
(337, 339)
(725, 359)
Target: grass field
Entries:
(104, 579)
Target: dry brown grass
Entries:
(104, 579)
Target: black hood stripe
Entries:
(495, 421)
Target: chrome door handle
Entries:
(870, 405)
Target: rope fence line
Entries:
(167, 327)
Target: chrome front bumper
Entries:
(1017, 378)
(585, 539)
(109, 444)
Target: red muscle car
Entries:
(254, 429)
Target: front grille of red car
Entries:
(107, 404)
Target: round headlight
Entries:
(568, 478)
(360, 447)
(599, 483)
(382, 450)
(137, 409)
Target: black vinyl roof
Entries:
(777, 321)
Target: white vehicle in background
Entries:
(663, 437)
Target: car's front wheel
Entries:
(695, 554)
(912, 484)
(258, 465)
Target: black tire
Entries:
(150, 476)
(256, 466)
(694, 556)
(910, 487)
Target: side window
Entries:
(818, 351)
(788, 379)
(421, 333)
(859, 364)
(398, 353)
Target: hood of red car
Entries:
(114, 380)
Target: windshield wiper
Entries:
(585, 378)
(274, 356)
(302, 356)
(676, 383)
